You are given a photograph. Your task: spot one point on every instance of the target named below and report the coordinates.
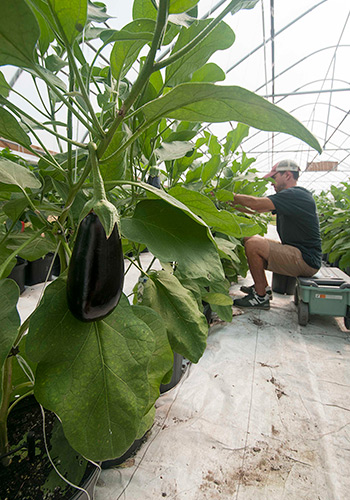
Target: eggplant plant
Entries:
(102, 377)
(334, 209)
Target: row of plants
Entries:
(334, 210)
(102, 377)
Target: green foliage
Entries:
(9, 293)
(334, 211)
(103, 378)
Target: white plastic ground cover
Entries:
(265, 414)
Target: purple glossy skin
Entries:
(96, 271)
(154, 181)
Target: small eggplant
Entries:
(154, 180)
(96, 271)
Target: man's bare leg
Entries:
(257, 251)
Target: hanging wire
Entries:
(265, 61)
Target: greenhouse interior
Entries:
(175, 249)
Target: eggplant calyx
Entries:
(105, 211)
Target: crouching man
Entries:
(299, 252)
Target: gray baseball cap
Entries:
(283, 166)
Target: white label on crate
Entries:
(324, 296)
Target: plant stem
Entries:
(35, 210)
(136, 265)
(150, 265)
(74, 190)
(47, 116)
(50, 159)
(70, 131)
(29, 393)
(8, 232)
(143, 77)
(22, 386)
(187, 48)
(6, 393)
(99, 190)
(21, 113)
(83, 90)
(64, 100)
(54, 126)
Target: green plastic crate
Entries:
(326, 293)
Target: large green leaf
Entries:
(227, 249)
(172, 150)
(211, 168)
(93, 375)
(13, 174)
(153, 192)
(210, 72)
(38, 248)
(9, 320)
(178, 6)
(71, 15)
(206, 102)
(125, 52)
(222, 37)
(49, 76)
(19, 32)
(10, 129)
(46, 33)
(144, 9)
(220, 220)
(4, 86)
(235, 137)
(114, 167)
(243, 4)
(223, 311)
(162, 359)
(217, 298)
(97, 13)
(186, 325)
(173, 236)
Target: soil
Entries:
(26, 478)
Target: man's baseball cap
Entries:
(283, 166)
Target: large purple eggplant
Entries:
(96, 271)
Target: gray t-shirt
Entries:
(298, 224)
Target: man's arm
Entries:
(253, 203)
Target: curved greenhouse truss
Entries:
(311, 83)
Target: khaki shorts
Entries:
(287, 260)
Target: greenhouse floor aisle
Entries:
(265, 414)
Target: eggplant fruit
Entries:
(154, 180)
(96, 271)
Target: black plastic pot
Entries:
(30, 466)
(37, 270)
(56, 268)
(88, 485)
(18, 273)
(207, 311)
(283, 284)
(177, 373)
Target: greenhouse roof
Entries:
(296, 55)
